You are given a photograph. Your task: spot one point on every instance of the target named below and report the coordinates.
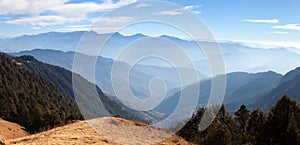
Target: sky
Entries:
(267, 22)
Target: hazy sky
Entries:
(272, 22)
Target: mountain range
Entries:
(139, 77)
(256, 77)
(237, 56)
(241, 87)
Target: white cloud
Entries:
(180, 11)
(279, 32)
(170, 12)
(273, 21)
(142, 5)
(43, 20)
(101, 25)
(81, 9)
(30, 7)
(113, 21)
(74, 28)
(190, 7)
(197, 12)
(289, 27)
(76, 9)
(63, 12)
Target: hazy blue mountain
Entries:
(241, 88)
(51, 40)
(256, 86)
(139, 78)
(62, 79)
(291, 75)
(237, 56)
(290, 85)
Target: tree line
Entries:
(279, 126)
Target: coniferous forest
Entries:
(31, 101)
(279, 126)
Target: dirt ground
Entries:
(10, 130)
(106, 130)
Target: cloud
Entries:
(44, 20)
(101, 25)
(74, 28)
(180, 11)
(289, 27)
(81, 9)
(113, 21)
(191, 7)
(273, 21)
(29, 7)
(188, 7)
(279, 32)
(61, 11)
(76, 9)
(170, 12)
(141, 5)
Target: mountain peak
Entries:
(27, 58)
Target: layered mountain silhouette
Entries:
(140, 75)
(241, 87)
(260, 90)
(289, 85)
(237, 56)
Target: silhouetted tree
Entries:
(255, 126)
(282, 123)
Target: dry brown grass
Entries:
(107, 130)
(10, 130)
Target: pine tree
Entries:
(242, 116)
(281, 125)
(218, 134)
(255, 125)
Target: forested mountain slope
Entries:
(30, 100)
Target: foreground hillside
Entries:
(106, 130)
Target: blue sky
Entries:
(269, 22)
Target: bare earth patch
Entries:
(10, 130)
(106, 130)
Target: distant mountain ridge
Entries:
(289, 85)
(139, 78)
(241, 88)
(237, 56)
